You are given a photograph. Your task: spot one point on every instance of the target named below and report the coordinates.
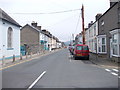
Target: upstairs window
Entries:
(9, 37)
(102, 25)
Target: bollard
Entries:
(21, 56)
(31, 55)
(13, 58)
(26, 55)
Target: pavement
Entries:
(7, 62)
(103, 62)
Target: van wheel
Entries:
(88, 58)
(75, 57)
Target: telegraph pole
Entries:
(83, 29)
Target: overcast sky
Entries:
(61, 25)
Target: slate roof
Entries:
(33, 28)
(6, 17)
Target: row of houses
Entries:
(16, 40)
(103, 35)
(37, 40)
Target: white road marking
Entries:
(115, 70)
(114, 74)
(108, 70)
(31, 86)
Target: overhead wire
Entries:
(50, 12)
(77, 22)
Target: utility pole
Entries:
(83, 29)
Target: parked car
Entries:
(81, 51)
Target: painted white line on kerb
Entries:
(115, 70)
(36, 80)
(114, 74)
(107, 70)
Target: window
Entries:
(103, 40)
(115, 50)
(115, 46)
(79, 47)
(85, 48)
(102, 44)
(94, 29)
(114, 38)
(102, 23)
(10, 37)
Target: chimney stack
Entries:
(39, 27)
(34, 24)
(90, 24)
(112, 2)
(98, 16)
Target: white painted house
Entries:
(9, 36)
(91, 37)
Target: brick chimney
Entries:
(34, 24)
(90, 24)
(98, 16)
(112, 2)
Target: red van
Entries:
(81, 50)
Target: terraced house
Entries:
(9, 36)
(109, 33)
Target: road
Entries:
(58, 70)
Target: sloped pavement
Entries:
(103, 62)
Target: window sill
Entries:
(10, 48)
(116, 55)
(102, 52)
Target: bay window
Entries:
(115, 42)
(102, 44)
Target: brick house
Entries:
(30, 37)
(108, 25)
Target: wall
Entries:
(30, 37)
(91, 35)
(1, 38)
(16, 40)
(110, 19)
